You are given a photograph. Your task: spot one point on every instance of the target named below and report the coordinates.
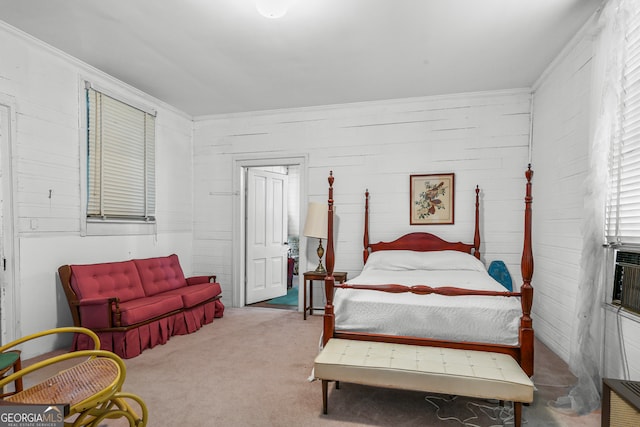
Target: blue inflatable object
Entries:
(498, 270)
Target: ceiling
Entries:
(220, 56)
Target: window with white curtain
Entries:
(623, 207)
(120, 160)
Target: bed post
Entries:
(476, 234)
(365, 253)
(526, 323)
(329, 281)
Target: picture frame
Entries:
(431, 199)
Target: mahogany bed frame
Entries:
(522, 352)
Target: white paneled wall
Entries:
(482, 138)
(562, 127)
(620, 355)
(44, 90)
(621, 345)
(561, 135)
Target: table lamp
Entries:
(316, 226)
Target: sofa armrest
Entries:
(196, 280)
(98, 313)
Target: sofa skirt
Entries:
(131, 343)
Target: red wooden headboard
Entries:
(420, 241)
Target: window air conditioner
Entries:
(626, 281)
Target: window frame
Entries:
(624, 153)
(94, 226)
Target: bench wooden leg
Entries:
(325, 391)
(517, 414)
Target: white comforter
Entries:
(459, 318)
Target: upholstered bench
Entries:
(431, 369)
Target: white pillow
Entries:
(415, 260)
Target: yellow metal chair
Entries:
(91, 387)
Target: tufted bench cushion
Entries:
(431, 369)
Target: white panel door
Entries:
(266, 269)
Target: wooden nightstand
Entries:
(310, 276)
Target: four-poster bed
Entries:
(457, 305)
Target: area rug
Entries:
(291, 298)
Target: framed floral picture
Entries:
(431, 198)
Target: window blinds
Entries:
(623, 207)
(120, 160)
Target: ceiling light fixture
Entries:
(273, 9)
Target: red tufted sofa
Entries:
(137, 304)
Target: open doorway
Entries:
(259, 186)
(270, 227)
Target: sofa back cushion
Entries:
(110, 279)
(160, 274)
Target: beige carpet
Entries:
(251, 368)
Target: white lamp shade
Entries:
(316, 222)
